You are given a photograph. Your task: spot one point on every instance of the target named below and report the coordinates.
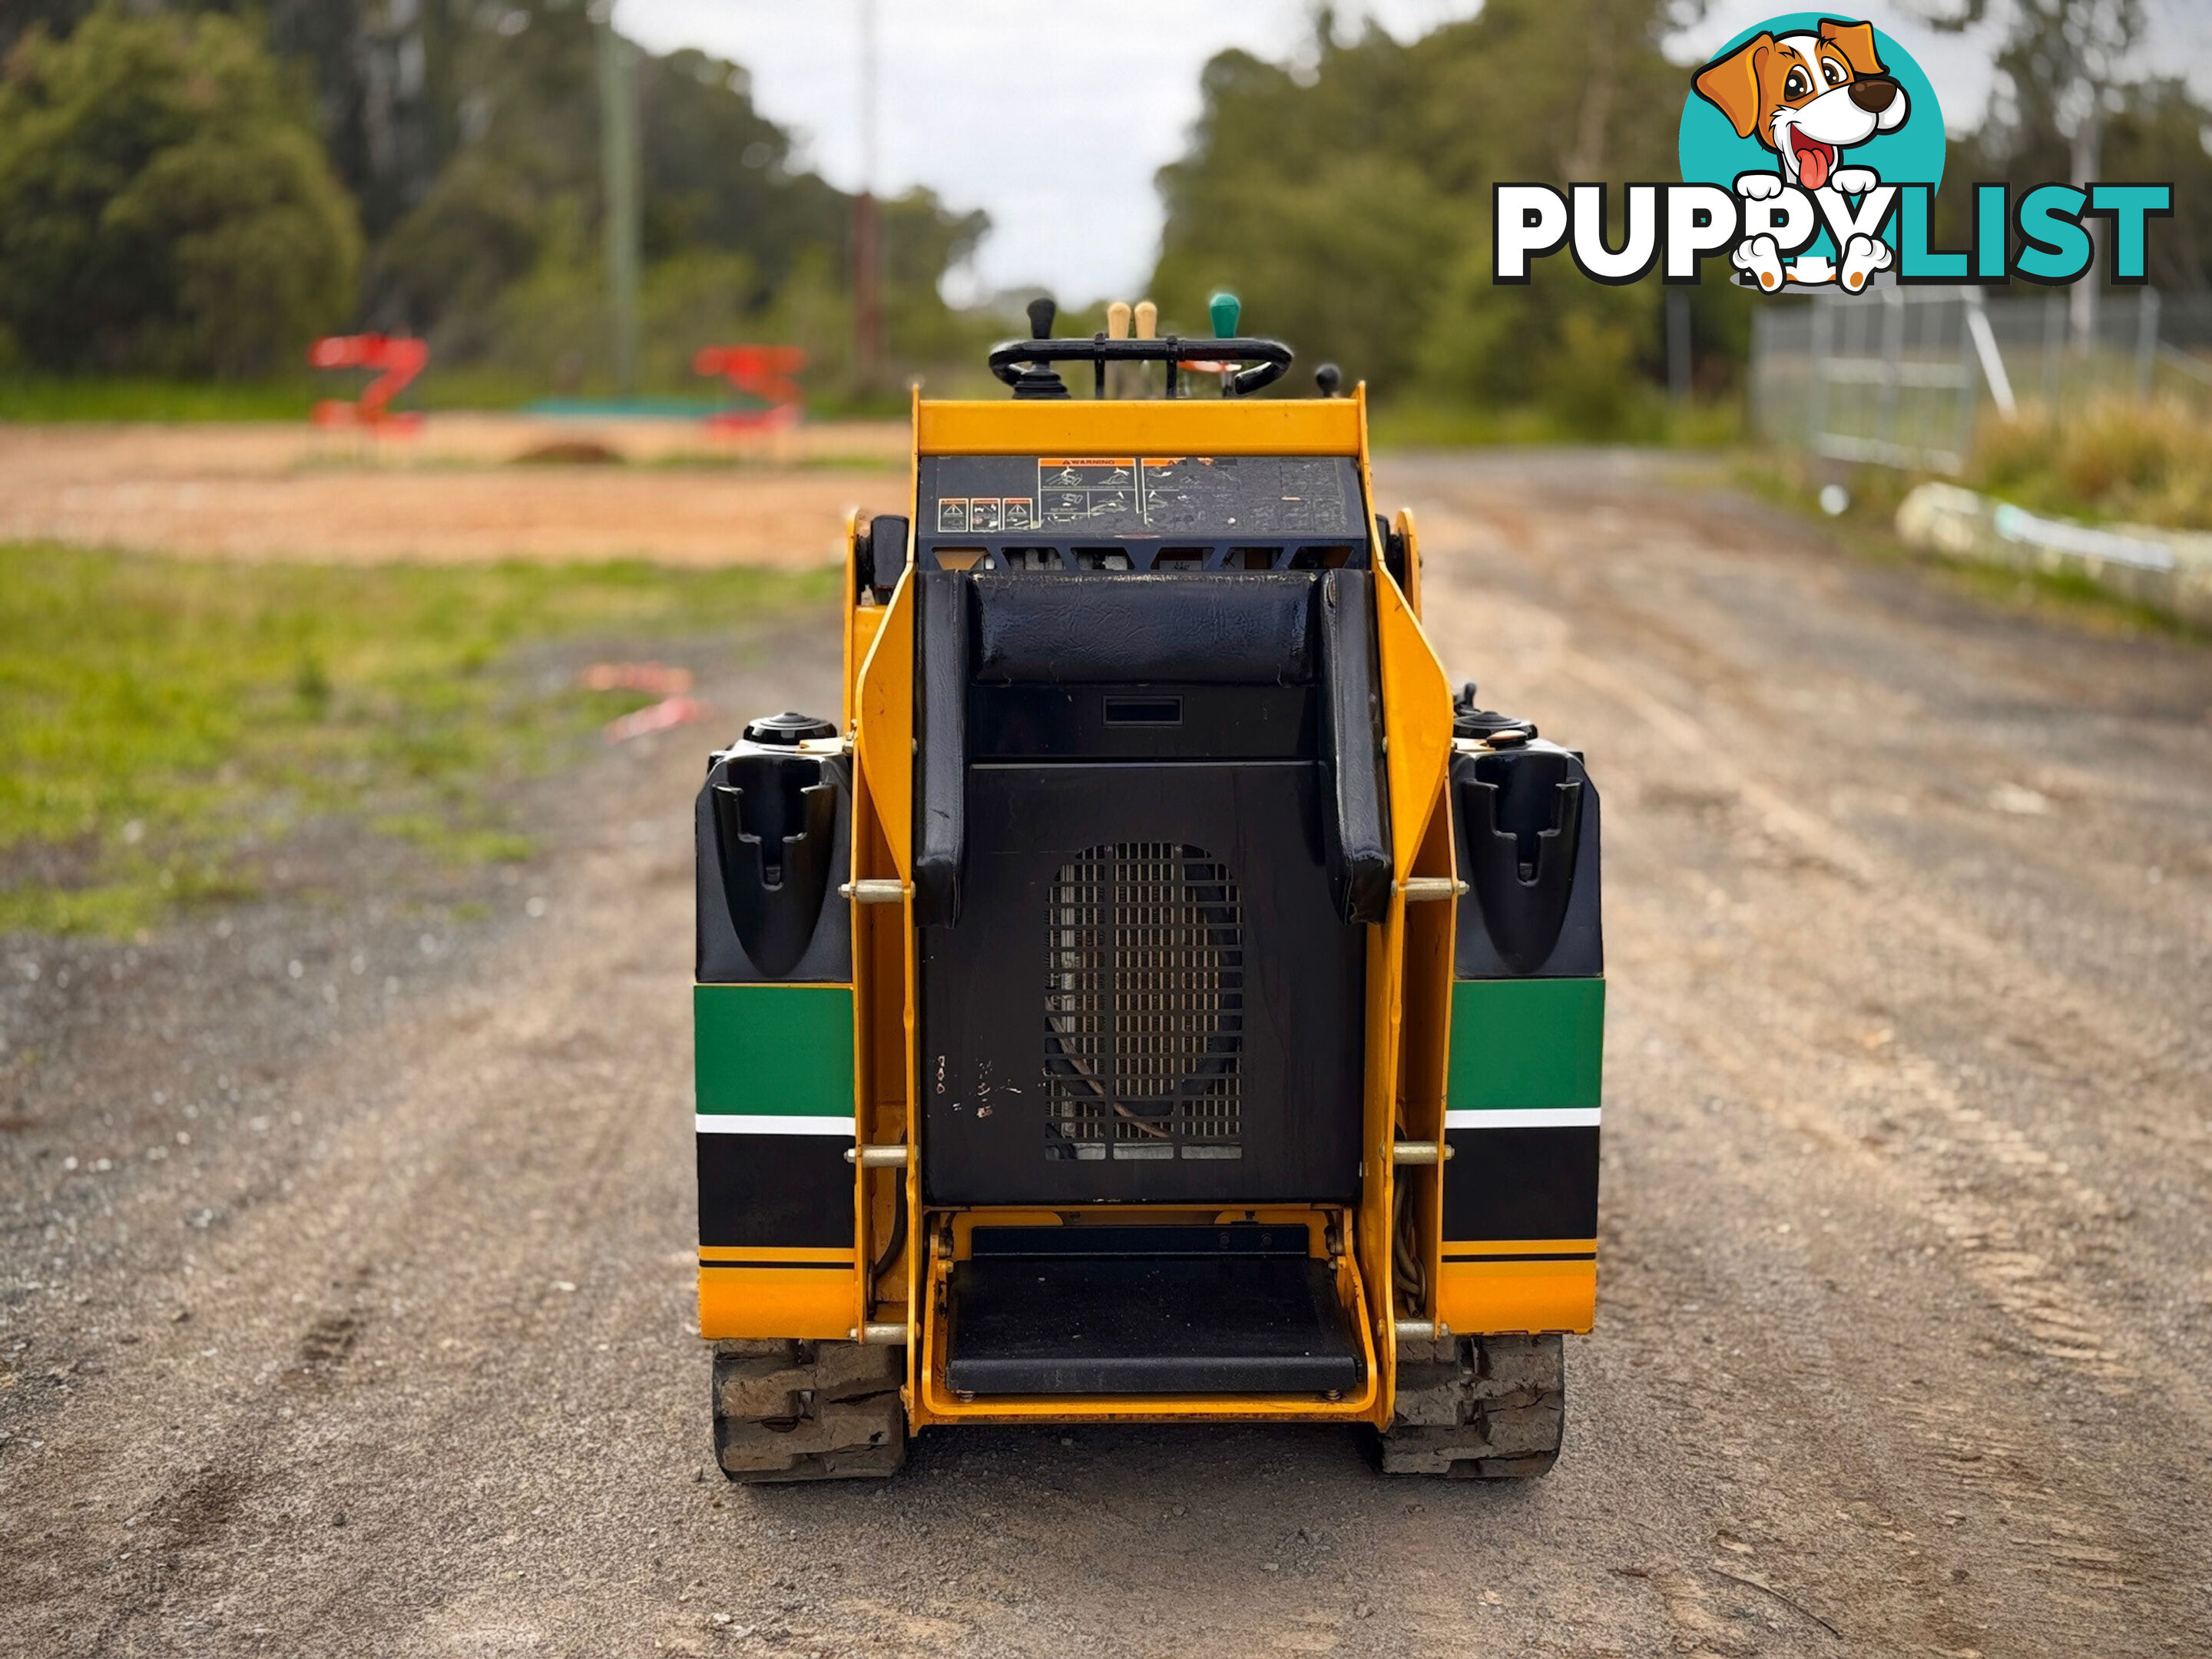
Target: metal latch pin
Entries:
(873, 892)
(1420, 1151)
(877, 1157)
(1417, 887)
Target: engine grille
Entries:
(1143, 1006)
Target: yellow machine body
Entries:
(1391, 1253)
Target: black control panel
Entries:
(979, 498)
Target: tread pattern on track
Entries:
(1477, 1407)
(788, 1410)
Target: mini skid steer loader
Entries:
(1154, 999)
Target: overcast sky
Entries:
(982, 99)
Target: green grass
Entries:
(165, 723)
(44, 398)
(50, 398)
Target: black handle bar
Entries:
(1270, 358)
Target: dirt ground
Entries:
(345, 1273)
(463, 487)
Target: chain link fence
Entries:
(1899, 376)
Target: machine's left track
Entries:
(788, 1410)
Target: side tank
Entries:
(772, 1013)
(1527, 1030)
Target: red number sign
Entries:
(397, 359)
(763, 372)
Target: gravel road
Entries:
(1905, 1315)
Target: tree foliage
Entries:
(1346, 195)
(498, 260)
(1347, 201)
(166, 205)
(2064, 97)
(468, 138)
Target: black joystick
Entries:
(1486, 725)
(1039, 379)
(1328, 377)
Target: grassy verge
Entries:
(2117, 458)
(53, 397)
(44, 397)
(164, 725)
(1868, 529)
(48, 398)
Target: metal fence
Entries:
(1899, 376)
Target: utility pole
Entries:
(620, 165)
(867, 225)
(1678, 345)
(2089, 146)
(2094, 38)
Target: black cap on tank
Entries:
(789, 729)
(1470, 722)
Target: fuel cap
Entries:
(789, 729)
(1486, 724)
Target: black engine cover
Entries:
(1149, 995)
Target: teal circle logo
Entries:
(1827, 105)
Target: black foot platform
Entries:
(1199, 1310)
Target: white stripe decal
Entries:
(772, 1123)
(1525, 1117)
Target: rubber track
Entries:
(787, 1411)
(1478, 1409)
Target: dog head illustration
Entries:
(1807, 97)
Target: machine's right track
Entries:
(1477, 1408)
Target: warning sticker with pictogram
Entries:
(1251, 494)
(1099, 493)
(1214, 497)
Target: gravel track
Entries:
(1905, 1309)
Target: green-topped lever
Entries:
(1246, 364)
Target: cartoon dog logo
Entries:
(1808, 98)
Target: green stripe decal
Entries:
(1523, 1043)
(785, 1050)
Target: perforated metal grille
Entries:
(1143, 1009)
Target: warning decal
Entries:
(1087, 491)
(1119, 495)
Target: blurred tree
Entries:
(496, 261)
(376, 67)
(719, 174)
(1346, 197)
(2067, 107)
(1580, 350)
(924, 240)
(520, 187)
(1299, 194)
(467, 131)
(2160, 133)
(384, 94)
(18, 17)
(165, 203)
